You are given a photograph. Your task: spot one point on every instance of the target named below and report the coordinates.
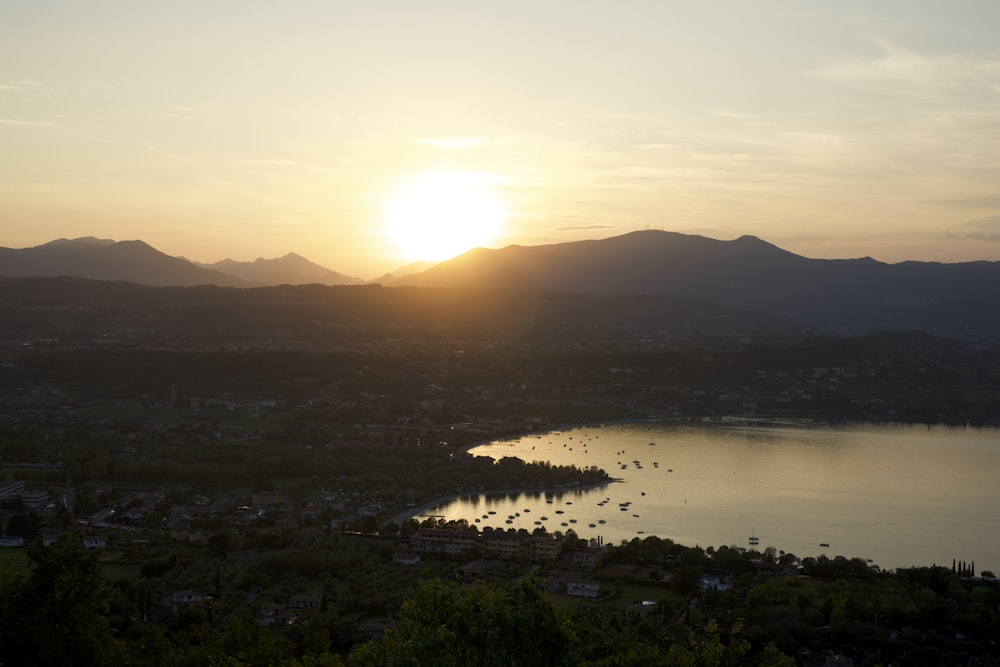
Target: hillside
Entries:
(838, 296)
(101, 259)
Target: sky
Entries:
(247, 129)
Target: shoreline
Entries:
(412, 512)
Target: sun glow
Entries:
(442, 214)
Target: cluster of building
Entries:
(493, 543)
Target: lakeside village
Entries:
(249, 493)
(277, 545)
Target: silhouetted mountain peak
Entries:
(82, 241)
(290, 269)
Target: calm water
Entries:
(899, 495)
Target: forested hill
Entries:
(840, 296)
(56, 307)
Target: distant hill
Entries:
(845, 296)
(394, 277)
(291, 269)
(74, 308)
(102, 259)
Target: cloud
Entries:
(183, 111)
(972, 202)
(27, 123)
(19, 86)
(990, 222)
(454, 143)
(582, 227)
(899, 63)
(980, 236)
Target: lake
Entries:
(900, 495)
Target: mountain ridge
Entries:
(844, 296)
(291, 268)
(838, 296)
(131, 261)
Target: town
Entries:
(241, 485)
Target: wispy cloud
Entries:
(19, 86)
(900, 63)
(991, 222)
(972, 202)
(454, 143)
(981, 236)
(183, 111)
(742, 118)
(27, 123)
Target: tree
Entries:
(706, 647)
(488, 624)
(684, 579)
(57, 615)
(224, 541)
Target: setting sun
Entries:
(441, 214)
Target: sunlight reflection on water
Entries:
(900, 495)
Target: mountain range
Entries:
(841, 296)
(291, 269)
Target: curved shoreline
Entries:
(413, 512)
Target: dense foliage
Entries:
(63, 612)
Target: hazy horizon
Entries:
(404, 265)
(364, 137)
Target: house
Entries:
(11, 541)
(506, 544)
(544, 548)
(94, 542)
(444, 542)
(272, 615)
(405, 558)
(183, 598)
(583, 558)
(306, 601)
(709, 583)
(35, 500)
(10, 489)
(584, 589)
